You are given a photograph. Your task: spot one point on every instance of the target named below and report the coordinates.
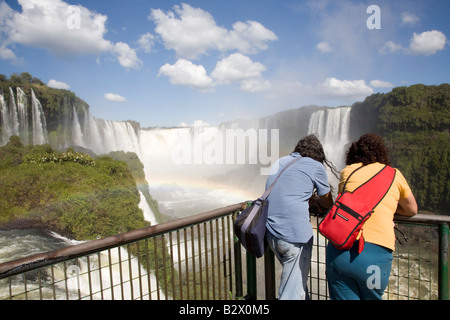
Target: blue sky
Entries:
(164, 62)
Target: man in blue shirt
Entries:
(289, 230)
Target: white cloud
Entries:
(236, 68)
(44, 24)
(126, 56)
(392, 47)
(240, 68)
(247, 37)
(381, 84)
(330, 91)
(146, 42)
(58, 84)
(191, 32)
(409, 19)
(185, 73)
(8, 54)
(427, 43)
(324, 47)
(114, 97)
(61, 29)
(346, 89)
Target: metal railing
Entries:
(198, 257)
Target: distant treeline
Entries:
(415, 122)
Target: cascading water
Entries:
(77, 134)
(332, 128)
(38, 121)
(6, 131)
(22, 112)
(187, 166)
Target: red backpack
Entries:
(345, 219)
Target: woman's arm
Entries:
(407, 206)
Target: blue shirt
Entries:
(288, 214)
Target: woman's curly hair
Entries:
(368, 149)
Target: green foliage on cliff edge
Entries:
(415, 122)
(69, 193)
(54, 102)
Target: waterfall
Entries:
(332, 128)
(77, 135)
(80, 279)
(14, 121)
(196, 161)
(6, 130)
(91, 132)
(10, 121)
(38, 121)
(22, 110)
(148, 213)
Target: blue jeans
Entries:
(353, 276)
(296, 261)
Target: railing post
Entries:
(238, 268)
(251, 276)
(443, 261)
(269, 272)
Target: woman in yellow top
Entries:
(365, 276)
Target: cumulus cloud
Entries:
(381, 84)
(236, 68)
(61, 29)
(247, 37)
(409, 19)
(192, 32)
(329, 91)
(348, 89)
(392, 47)
(425, 43)
(146, 42)
(240, 68)
(126, 56)
(114, 97)
(185, 73)
(58, 84)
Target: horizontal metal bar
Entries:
(32, 262)
(423, 218)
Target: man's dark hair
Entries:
(311, 147)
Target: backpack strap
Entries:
(267, 192)
(373, 190)
(376, 188)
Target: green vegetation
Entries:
(68, 192)
(415, 123)
(54, 101)
(137, 170)
(57, 104)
